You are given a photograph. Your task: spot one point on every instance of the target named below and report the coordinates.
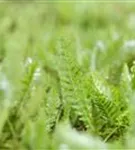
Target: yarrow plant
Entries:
(67, 76)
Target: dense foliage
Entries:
(67, 76)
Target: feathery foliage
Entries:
(67, 76)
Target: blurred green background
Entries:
(96, 27)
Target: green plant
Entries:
(67, 76)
